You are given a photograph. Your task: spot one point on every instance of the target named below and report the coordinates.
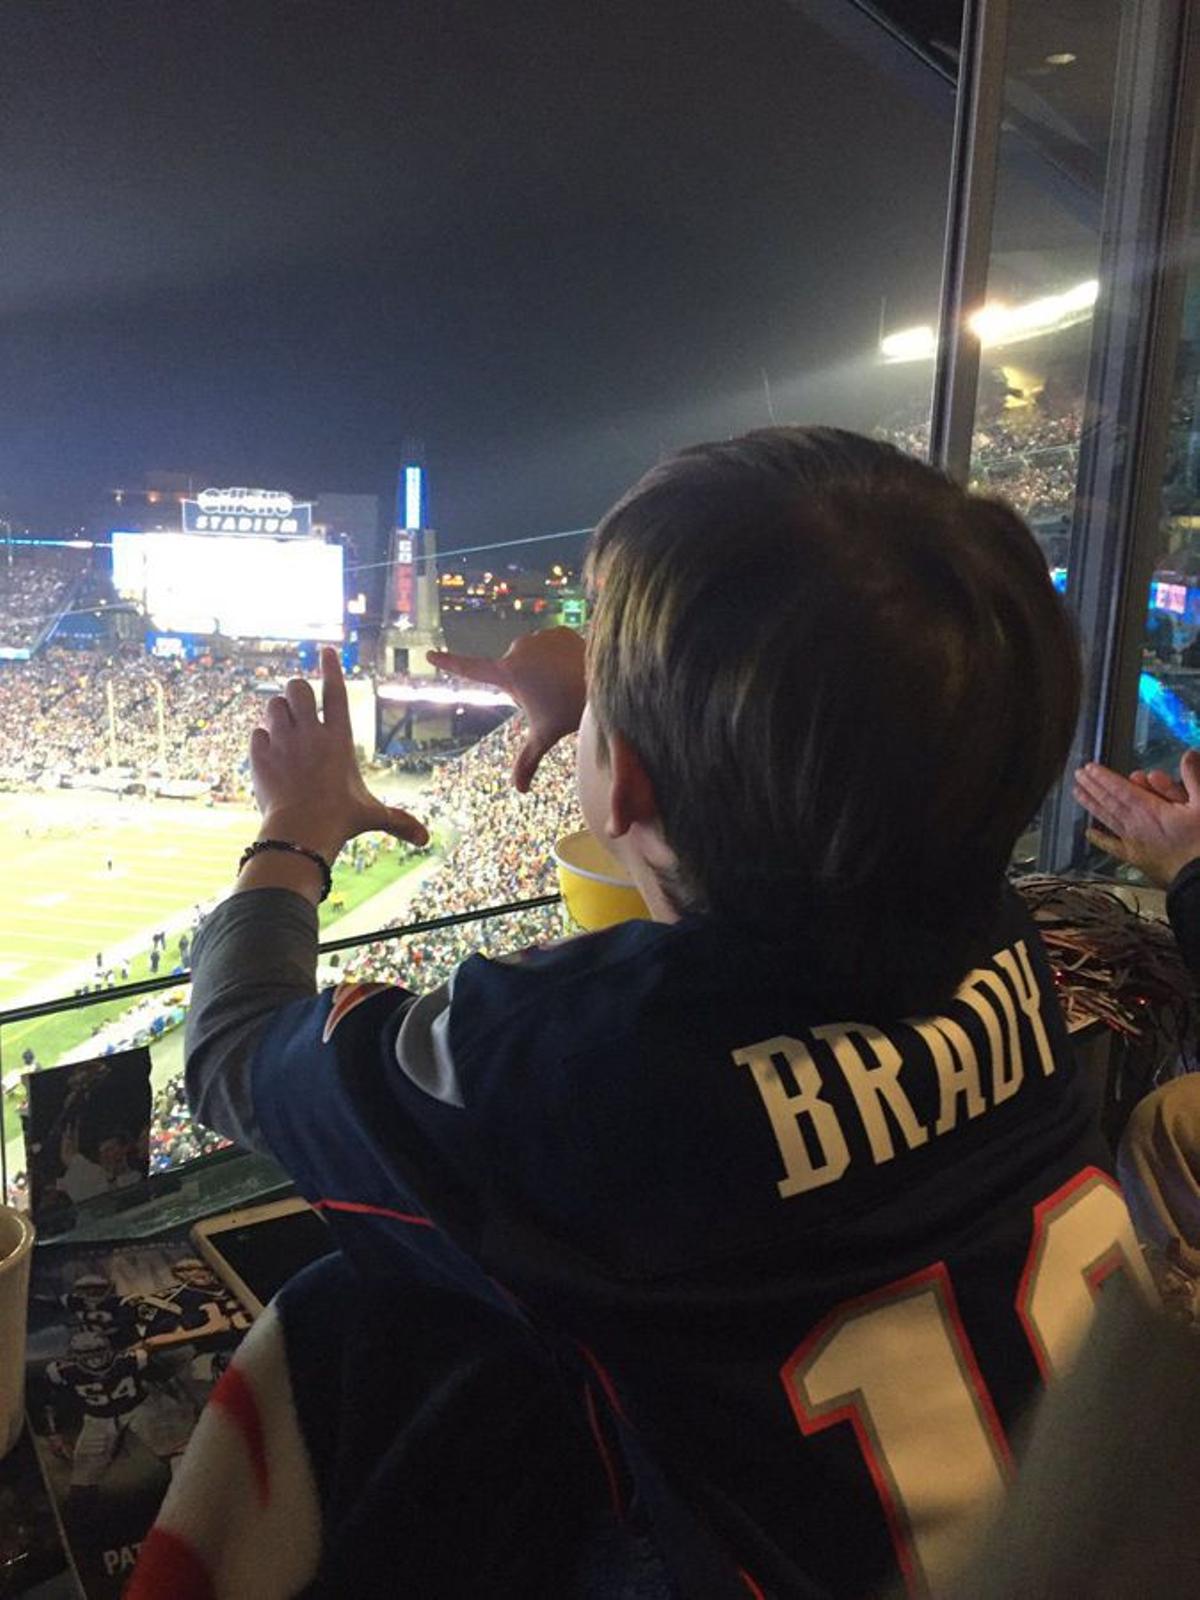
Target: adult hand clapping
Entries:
(1148, 819)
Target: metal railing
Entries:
(38, 1010)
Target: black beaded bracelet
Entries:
(259, 845)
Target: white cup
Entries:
(16, 1257)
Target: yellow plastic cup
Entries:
(594, 886)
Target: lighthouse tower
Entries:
(412, 622)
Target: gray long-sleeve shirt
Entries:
(255, 953)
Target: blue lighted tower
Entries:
(414, 614)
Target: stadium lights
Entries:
(997, 324)
(1006, 324)
(911, 344)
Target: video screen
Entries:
(243, 587)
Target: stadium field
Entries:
(94, 875)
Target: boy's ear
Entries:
(631, 797)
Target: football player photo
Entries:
(87, 1135)
(125, 1346)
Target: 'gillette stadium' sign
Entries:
(269, 511)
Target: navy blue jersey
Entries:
(187, 1307)
(114, 1390)
(115, 1316)
(816, 1268)
(192, 1305)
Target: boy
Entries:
(795, 1176)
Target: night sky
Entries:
(265, 242)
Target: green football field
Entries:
(66, 903)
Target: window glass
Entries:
(1168, 719)
(322, 333)
(1043, 277)
(1035, 328)
(75, 1128)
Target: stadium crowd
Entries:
(500, 853)
(55, 723)
(175, 1136)
(35, 584)
(1029, 457)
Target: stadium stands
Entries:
(55, 724)
(500, 853)
(35, 585)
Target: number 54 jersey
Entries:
(814, 1268)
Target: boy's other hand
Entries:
(306, 779)
(544, 673)
(1148, 820)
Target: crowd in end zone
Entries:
(65, 714)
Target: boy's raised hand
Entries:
(306, 779)
(544, 673)
(1148, 820)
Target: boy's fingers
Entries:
(301, 700)
(479, 669)
(1189, 773)
(278, 715)
(402, 825)
(260, 744)
(335, 706)
(528, 760)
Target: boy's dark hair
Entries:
(851, 683)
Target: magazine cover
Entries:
(125, 1344)
(87, 1132)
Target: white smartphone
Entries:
(255, 1251)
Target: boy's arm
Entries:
(255, 953)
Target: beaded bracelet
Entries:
(259, 845)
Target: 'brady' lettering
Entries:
(875, 1085)
(957, 1066)
(1018, 969)
(808, 1131)
(793, 1112)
